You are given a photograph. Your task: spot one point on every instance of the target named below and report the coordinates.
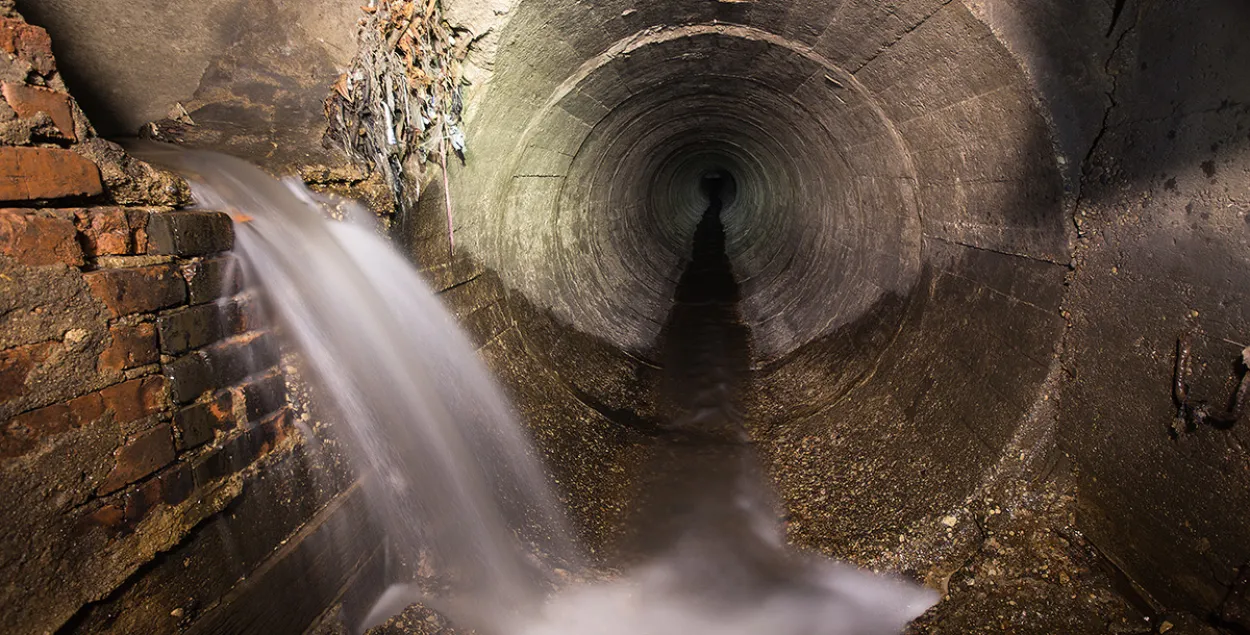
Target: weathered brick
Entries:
(271, 432)
(191, 327)
(28, 174)
(128, 401)
(142, 455)
(243, 450)
(137, 290)
(17, 363)
(198, 423)
(28, 101)
(87, 409)
(264, 395)
(170, 487)
(138, 501)
(190, 233)
(176, 484)
(28, 43)
(243, 313)
(212, 278)
(108, 516)
(130, 346)
(223, 461)
(220, 365)
(35, 238)
(105, 231)
(135, 399)
(138, 220)
(22, 432)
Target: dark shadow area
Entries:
(705, 349)
(701, 466)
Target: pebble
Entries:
(75, 337)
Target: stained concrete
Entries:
(240, 76)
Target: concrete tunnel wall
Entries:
(923, 188)
(899, 229)
(968, 235)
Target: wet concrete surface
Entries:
(701, 467)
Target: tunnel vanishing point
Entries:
(993, 257)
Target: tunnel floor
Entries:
(1031, 574)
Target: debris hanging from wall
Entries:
(399, 105)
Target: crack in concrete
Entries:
(1106, 115)
(900, 37)
(1002, 252)
(459, 284)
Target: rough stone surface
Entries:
(34, 239)
(190, 233)
(28, 101)
(141, 289)
(28, 43)
(46, 173)
(130, 181)
(141, 456)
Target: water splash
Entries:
(450, 473)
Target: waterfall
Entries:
(451, 474)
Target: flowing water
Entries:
(451, 476)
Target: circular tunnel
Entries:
(897, 229)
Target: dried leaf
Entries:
(340, 87)
(417, 77)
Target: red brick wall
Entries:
(137, 384)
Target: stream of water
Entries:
(450, 474)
